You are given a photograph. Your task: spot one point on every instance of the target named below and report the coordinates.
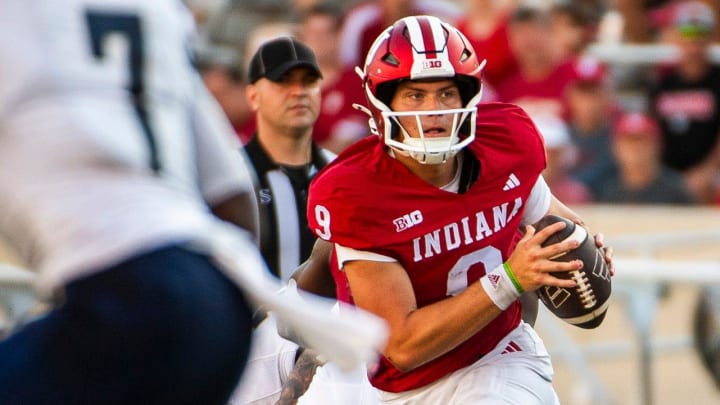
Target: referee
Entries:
(284, 93)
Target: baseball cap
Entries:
(694, 18)
(277, 56)
(591, 72)
(554, 131)
(637, 124)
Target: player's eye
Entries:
(415, 95)
(450, 94)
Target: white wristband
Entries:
(499, 287)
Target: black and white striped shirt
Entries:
(285, 238)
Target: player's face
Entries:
(427, 96)
(292, 103)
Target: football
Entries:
(585, 305)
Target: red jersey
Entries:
(336, 110)
(494, 48)
(246, 130)
(539, 97)
(367, 200)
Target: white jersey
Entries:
(110, 146)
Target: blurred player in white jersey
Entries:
(113, 158)
(119, 182)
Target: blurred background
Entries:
(627, 96)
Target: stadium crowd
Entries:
(539, 56)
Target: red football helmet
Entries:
(414, 48)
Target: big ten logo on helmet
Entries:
(432, 64)
(408, 221)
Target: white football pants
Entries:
(517, 372)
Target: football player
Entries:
(423, 219)
(113, 158)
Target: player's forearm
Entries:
(240, 209)
(314, 274)
(299, 378)
(562, 210)
(429, 332)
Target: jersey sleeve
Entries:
(330, 209)
(538, 203)
(343, 205)
(221, 164)
(346, 254)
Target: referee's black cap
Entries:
(275, 57)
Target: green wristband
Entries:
(514, 279)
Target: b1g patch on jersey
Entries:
(407, 221)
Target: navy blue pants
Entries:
(163, 328)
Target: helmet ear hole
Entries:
(385, 92)
(468, 88)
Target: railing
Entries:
(647, 262)
(633, 54)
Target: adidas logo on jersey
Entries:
(512, 347)
(511, 182)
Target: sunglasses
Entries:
(693, 30)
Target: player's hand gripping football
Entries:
(531, 262)
(607, 250)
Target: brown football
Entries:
(586, 304)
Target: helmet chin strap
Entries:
(430, 158)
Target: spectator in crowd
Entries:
(686, 102)
(300, 7)
(284, 92)
(539, 84)
(641, 176)
(637, 26)
(591, 105)
(485, 23)
(339, 124)
(364, 22)
(647, 21)
(222, 72)
(560, 157)
(574, 25)
(267, 31)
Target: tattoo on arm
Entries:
(299, 378)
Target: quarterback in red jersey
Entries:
(423, 220)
